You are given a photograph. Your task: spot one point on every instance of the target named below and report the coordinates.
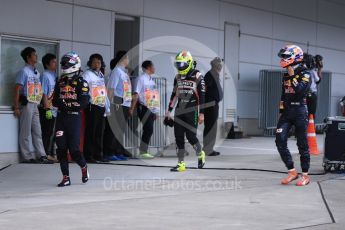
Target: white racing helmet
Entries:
(70, 63)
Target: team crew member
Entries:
(315, 76)
(189, 91)
(28, 95)
(147, 94)
(47, 111)
(120, 94)
(214, 94)
(95, 111)
(70, 96)
(109, 150)
(293, 110)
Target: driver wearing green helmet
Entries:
(189, 92)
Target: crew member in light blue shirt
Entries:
(120, 94)
(146, 93)
(47, 111)
(95, 111)
(28, 95)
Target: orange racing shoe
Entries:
(292, 175)
(305, 179)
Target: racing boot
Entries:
(305, 179)
(292, 175)
(180, 167)
(201, 159)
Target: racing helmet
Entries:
(184, 62)
(290, 55)
(70, 63)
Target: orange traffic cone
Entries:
(313, 149)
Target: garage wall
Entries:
(265, 25)
(70, 25)
(271, 25)
(87, 26)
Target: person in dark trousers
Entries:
(315, 67)
(109, 145)
(293, 111)
(120, 94)
(148, 96)
(47, 112)
(342, 106)
(71, 95)
(95, 111)
(27, 97)
(189, 92)
(214, 94)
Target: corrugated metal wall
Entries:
(270, 91)
(324, 98)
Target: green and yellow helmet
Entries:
(184, 62)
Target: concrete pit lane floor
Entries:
(145, 195)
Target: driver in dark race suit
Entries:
(189, 90)
(293, 111)
(71, 94)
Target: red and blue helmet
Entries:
(290, 55)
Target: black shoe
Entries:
(214, 153)
(84, 174)
(44, 160)
(65, 182)
(30, 161)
